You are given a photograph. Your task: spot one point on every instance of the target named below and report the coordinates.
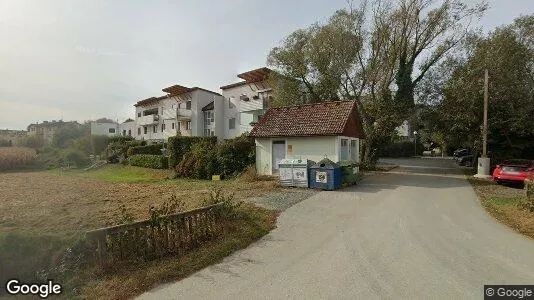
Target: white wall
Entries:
(104, 129)
(128, 127)
(242, 120)
(313, 148)
(200, 99)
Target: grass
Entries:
(505, 203)
(46, 212)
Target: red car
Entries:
(513, 171)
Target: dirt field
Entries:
(63, 202)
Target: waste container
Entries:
(326, 175)
(294, 172)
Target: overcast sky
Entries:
(81, 60)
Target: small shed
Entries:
(309, 131)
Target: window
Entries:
(231, 102)
(139, 115)
(208, 118)
(129, 132)
(155, 128)
(172, 125)
(188, 125)
(178, 126)
(145, 129)
(162, 127)
(124, 132)
(139, 131)
(354, 150)
(344, 150)
(188, 104)
(111, 130)
(231, 123)
(207, 132)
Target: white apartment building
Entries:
(127, 128)
(245, 102)
(183, 110)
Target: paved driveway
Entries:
(416, 232)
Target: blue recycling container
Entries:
(326, 175)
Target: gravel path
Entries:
(283, 200)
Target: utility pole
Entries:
(485, 129)
(484, 161)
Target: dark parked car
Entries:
(513, 170)
(466, 160)
(460, 152)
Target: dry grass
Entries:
(15, 157)
(506, 204)
(73, 201)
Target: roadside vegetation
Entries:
(16, 158)
(507, 203)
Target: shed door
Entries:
(279, 153)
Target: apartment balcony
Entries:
(147, 120)
(184, 114)
(169, 113)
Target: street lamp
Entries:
(415, 142)
(484, 161)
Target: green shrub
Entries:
(400, 149)
(180, 145)
(529, 191)
(154, 149)
(236, 155)
(117, 148)
(75, 157)
(199, 162)
(99, 143)
(149, 161)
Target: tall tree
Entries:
(361, 53)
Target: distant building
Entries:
(127, 128)
(12, 137)
(48, 129)
(105, 127)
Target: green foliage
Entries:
(529, 191)
(229, 206)
(99, 144)
(401, 149)
(228, 158)
(69, 132)
(180, 145)
(75, 157)
(154, 149)
(32, 141)
(117, 147)
(148, 161)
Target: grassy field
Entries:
(47, 211)
(506, 204)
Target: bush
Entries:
(6, 143)
(32, 141)
(200, 162)
(236, 155)
(400, 149)
(16, 157)
(154, 149)
(117, 148)
(75, 157)
(228, 159)
(99, 143)
(180, 145)
(149, 161)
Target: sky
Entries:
(82, 60)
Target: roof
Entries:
(252, 76)
(210, 106)
(318, 119)
(177, 90)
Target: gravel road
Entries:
(418, 232)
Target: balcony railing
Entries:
(148, 120)
(184, 113)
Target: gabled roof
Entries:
(210, 106)
(318, 119)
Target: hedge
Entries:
(229, 158)
(154, 149)
(149, 161)
(400, 149)
(180, 145)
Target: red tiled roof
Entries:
(327, 118)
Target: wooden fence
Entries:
(171, 234)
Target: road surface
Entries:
(415, 232)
